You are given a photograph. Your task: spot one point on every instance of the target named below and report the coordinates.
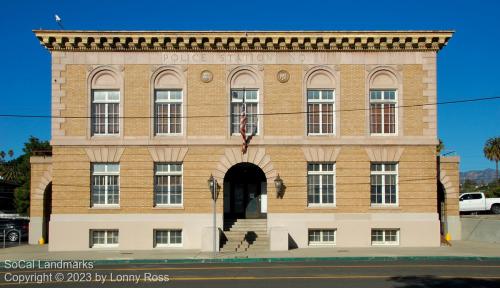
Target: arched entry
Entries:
(245, 192)
(40, 198)
(47, 211)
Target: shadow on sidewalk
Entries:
(429, 281)
(12, 244)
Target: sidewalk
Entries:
(459, 249)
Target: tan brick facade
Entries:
(279, 148)
(450, 179)
(413, 97)
(207, 99)
(353, 100)
(75, 100)
(417, 174)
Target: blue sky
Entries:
(467, 67)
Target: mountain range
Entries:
(479, 176)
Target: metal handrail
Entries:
(13, 216)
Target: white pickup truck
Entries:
(476, 201)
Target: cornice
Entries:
(232, 41)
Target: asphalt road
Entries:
(408, 274)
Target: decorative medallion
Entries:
(206, 76)
(283, 76)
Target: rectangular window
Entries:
(103, 238)
(168, 238)
(168, 112)
(105, 184)
(322, 236)
(168, 184)
(383, 181)
(320, 112)
(383, 112)
(385, 236)
(320, 183)
(249, 98)
(105, 118)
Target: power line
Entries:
(253, 114)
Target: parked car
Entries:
(476, 201)
(13, 229)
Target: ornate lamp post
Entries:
(212, 185)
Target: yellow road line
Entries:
(256, 278)
(251, 267)
(216, 278)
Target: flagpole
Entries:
(243, 122)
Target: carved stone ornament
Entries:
(283, 76)
(206, 76)
(238, 41)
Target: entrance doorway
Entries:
(245, 192)
(47, 211)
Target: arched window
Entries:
(383, 103)
(320, 102)
(105, 103)
(168, 97)
(245, 99)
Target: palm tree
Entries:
(492, 151)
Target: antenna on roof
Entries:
(58, 21)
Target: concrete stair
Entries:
(245, 235)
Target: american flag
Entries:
(243, 127)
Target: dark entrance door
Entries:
(47, 211)
(244, 192)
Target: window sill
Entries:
(104, 136)
(238, 135)
(166, 247)
(167, 206)
(321, 135)
(168, 135)
(321, 245)
(321, 206)
(104, 246)
(384, 134)
(384, 244)
(382, 206)
(103, 207)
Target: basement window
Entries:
(322, 237)
(103, 238)
(385, 237)
(168, 238)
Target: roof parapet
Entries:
(232, 41)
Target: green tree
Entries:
(22, 193)
(468, 186)
(492, 151)
(19, 170)
(492, 190)
(8, 168)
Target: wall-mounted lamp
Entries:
(280, 187)
(212, 184)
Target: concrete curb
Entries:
(270, 260)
